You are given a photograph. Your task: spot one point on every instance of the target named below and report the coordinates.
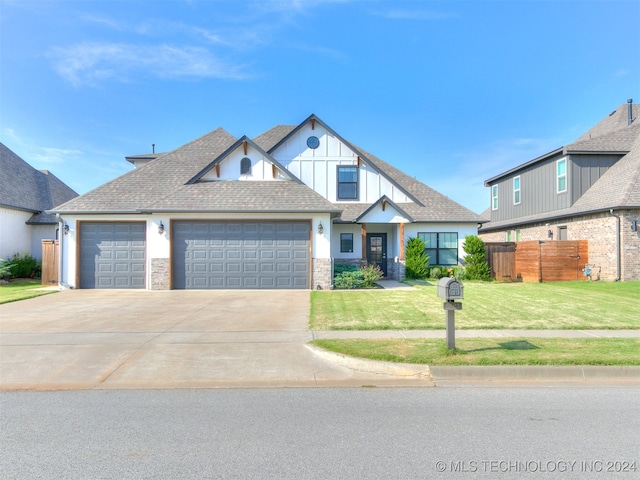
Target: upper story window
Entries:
(561, 175)
(494, 197)
(516, 191)
(245, 166)
(347, 183)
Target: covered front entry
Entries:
(112, 254)
(229, 254)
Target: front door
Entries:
(377, 250)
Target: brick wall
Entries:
(600, 230)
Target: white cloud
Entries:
(89, 63)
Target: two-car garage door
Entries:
(226, 254)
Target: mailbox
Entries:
(450, 289)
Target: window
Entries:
(347, 183)
(561, 173)
(346, 242)
(517, 235)
(245, 166)
(494, 197)
(516, 191)
(508, 235)
(442, 248)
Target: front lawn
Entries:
(21, 290)
(486, 305)
(493, 351)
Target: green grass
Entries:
(493, 351)
(486, 305)
(21, 290)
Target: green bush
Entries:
(340, 268)
(459, 273)
(436, 272)
(371, 274)
(5, 268)
(475, 260)
(349, 280)
(417, 261)
(25, 266)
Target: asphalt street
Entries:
(347, 433)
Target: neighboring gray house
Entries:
(588, 190)
(276, 211)
(25, 194)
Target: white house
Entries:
(275, 211)
(25, 194)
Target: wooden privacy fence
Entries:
(538, 261)
(50, 262)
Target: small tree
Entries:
(417, 264)
(476, 259)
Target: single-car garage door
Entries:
(240, 254)
(112, 254)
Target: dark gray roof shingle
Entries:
(25, 188)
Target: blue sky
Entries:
(451, 93)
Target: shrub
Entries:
(340, 268)
(25, 266)
(436, 272)
(5, 268)
(349, 280)
(476, 263)
(459, 273)
(371, 274)
(417, 261)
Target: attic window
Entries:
(245, 166)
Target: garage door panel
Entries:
(112, 254)
(243, 255)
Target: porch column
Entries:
(363, 234)
(401, 235)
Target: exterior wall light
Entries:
(320, 229)
(65, 229)
(160, 228)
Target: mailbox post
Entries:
(451, 289)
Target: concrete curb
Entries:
(403, 370)
(493, 372)
(587, 372)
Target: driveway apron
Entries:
(82, 339)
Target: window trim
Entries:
(346, 237)
(245, 166)
(438, 249)
(494, 197)
(562, 176)
(356, 183)
(516, 191)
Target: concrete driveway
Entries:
(83, 339)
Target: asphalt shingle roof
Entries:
(161, 185)
(25, 188)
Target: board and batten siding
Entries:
(538, 191)
(587, 170)
(318, 167)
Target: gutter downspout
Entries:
(618, 266)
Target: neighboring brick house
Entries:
(25, 194)
(276, 211)
(588, 190)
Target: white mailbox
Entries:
(450, 289)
